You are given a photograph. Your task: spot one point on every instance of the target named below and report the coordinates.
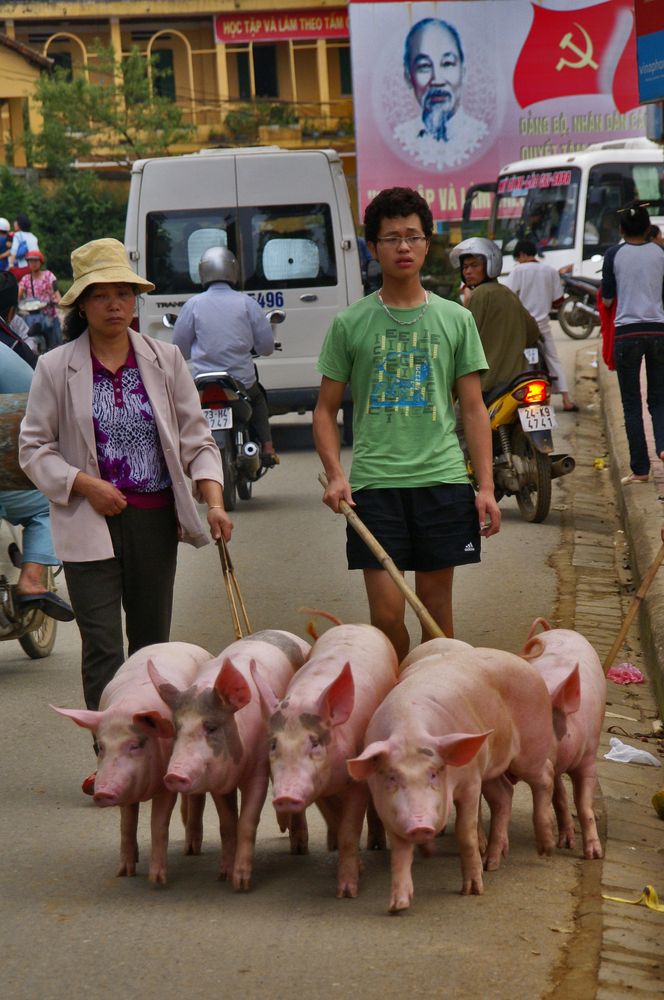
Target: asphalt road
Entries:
(70, 928)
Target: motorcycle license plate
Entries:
(221, 419)
(537, 418)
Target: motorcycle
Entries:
(578, 314)
(35, 631)
(524, 464)
(32, 309)
(228, 409)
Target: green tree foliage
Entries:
(71, 210)
(118, 110)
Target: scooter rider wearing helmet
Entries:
(219, 329)
(506, 327)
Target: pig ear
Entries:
(567, 696)
(231, 687)
(367, 763)
(167, 691)
(269, 700)
(81, 716)
(154, 724)
(337, 700)
(458, 749)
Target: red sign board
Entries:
(275, 26)
(649, 16)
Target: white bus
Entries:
(567, 204)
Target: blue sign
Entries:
(650, 63)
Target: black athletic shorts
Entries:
(422, 528)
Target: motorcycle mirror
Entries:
(275, 316)
(168, 320)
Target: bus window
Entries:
(175, 242)
(610, 187)
(539, 205)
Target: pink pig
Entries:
(319, 723)
(221, 739)
(456, 722)
(134, 735)
(574, 676)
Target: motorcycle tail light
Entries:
(535, 391)
(212, 394)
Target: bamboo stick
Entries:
(634, 607)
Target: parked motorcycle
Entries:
(524, 464)
(32, 311)
(228, 409)
(34, 630)
(578, 315)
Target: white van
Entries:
(286, 216)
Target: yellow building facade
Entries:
(252, 71)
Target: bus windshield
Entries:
(537, 205)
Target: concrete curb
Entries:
(641, 510)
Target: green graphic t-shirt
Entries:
(401, 378)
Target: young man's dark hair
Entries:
(8, 292)
(525, 247)
(23, 223)
(634, 219)
(395, 203)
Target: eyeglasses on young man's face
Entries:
(396, 241)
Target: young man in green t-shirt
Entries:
(406, 353)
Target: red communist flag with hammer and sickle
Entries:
(588, 50)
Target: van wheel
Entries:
(230, 478)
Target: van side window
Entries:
(175, 242)
(287, 246)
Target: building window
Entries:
(163, 74)
(62, 61)
(345, 77)
(243, 76)
(265, 70)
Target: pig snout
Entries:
(420, 832)
(292, 803)
(106, 798)
(177, 782)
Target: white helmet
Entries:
(4, 225)
(217, 264)
(477, 246)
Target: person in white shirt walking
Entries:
(539, 287)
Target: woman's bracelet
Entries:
(218, 506)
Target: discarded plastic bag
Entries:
(626, 673)
(625, 754)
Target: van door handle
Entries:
(309, 297)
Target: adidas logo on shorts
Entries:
(469, 547)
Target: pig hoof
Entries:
(299, 848)
(347, 891)
(400, 904)
(194, 848)
(126, 870)
(566, 839)
(491, 864)
(474, 887)
(242, 883)
(158, 877)
(592, 851)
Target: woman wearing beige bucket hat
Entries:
(113, 425)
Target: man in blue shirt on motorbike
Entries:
(219, 329)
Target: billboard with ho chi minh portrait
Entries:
(456, 90)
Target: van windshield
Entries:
(277, 247)
(538, 205)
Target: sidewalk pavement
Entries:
(613, 533)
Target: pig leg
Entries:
(401, 863)
(160, 817)
(298, 832)
(498, 792)
(227, 812)
(375, 830)
(350, 831)
(192, 808)
(253, 797)
(330, 808)
(128, 841)
(542, 789)
(583, 783)
(566, 834)
(465, 829)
